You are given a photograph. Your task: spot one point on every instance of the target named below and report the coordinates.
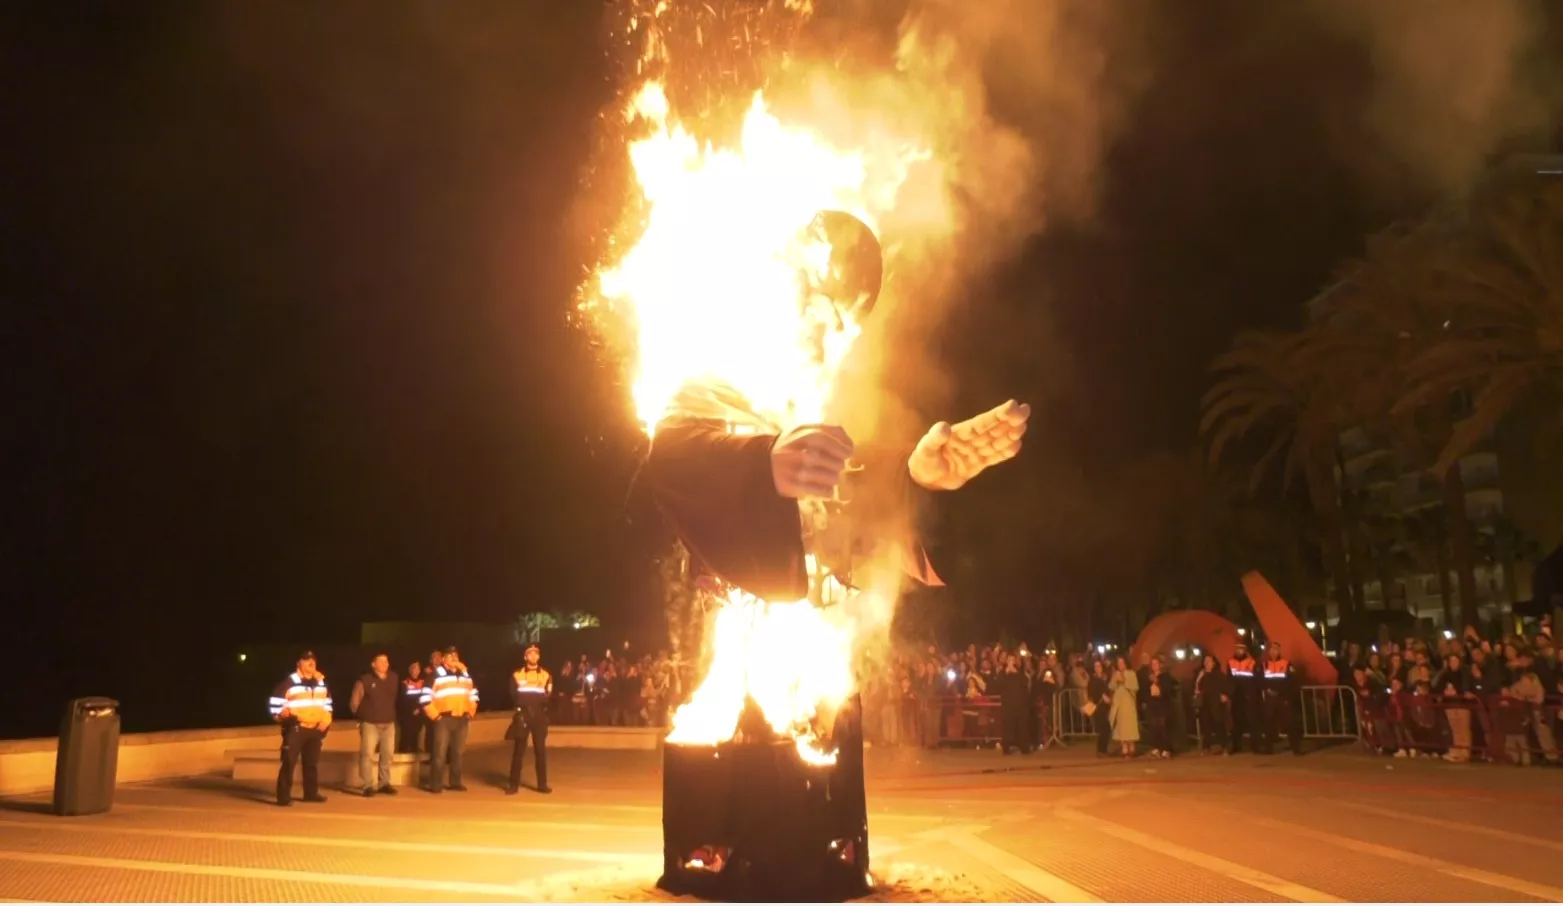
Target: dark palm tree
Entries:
(1502, 276)
(1262, 391)
(1210, 531)
(1389, 311)
(1426, 550)
(1504, 546)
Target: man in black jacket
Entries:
(374, 704)
(1014, 691)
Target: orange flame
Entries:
(713, 289)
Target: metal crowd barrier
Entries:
(957, 720)
(1070, 721)
(1495, 728)
(1330, 712)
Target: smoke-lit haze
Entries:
(298, 272)
(1453, 82)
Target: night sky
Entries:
(286, 293)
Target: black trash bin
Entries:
(88, 757)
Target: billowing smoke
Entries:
(1018, 101)
(1453, 83)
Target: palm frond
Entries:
(1498, 396)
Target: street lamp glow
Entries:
(1180, 654)
(243, 657)
(1448, 633)
(1242, 631)
(1311, 625)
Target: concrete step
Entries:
(337, 769)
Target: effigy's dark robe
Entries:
(709, 471)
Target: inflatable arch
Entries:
(1215, 634)
(1282, 626)
(1209, 632)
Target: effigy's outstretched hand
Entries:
(948, 456)
(808, 460)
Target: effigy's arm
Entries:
(716, 490)
(915, 501)
(886, 512)
(949, 456)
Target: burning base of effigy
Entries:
(753, 820)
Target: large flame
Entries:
(712, 289)
(794, 659)
(712, 285)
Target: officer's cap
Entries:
(533, 647)
(306, 655)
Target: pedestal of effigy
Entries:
(755, 822)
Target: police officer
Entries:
(301, 703)
(449, 700)
(1243, 670)
(1276, 701)
(409, 712)
(531, 687)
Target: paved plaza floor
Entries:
(961, 826)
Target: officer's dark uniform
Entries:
(303, 707)
(1276, 702)
(449, 700)
(531, 687)
(409, 716)
(1245, 696)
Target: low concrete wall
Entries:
(337, 769)
(27, 765)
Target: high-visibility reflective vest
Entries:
(532, 682)
(1241, 668)
(450, 693)
(412, 694)
(307, 701)
(1277, 669)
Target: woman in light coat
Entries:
(1125, 686)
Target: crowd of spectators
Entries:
(618, 691)
(1460, 697)
(1456, 697)
(927, 697)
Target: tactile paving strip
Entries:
(67, 884)
(970, 876)
(1455, 847)
(295, 857)
(1359, 877)
(331, 821)
(1117, 871)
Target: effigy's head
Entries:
(839, 268)
(749, 264)
(848, 267)
(841, 271)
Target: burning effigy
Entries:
(744, 279)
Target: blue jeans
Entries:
(450, 741)
(371, 736)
